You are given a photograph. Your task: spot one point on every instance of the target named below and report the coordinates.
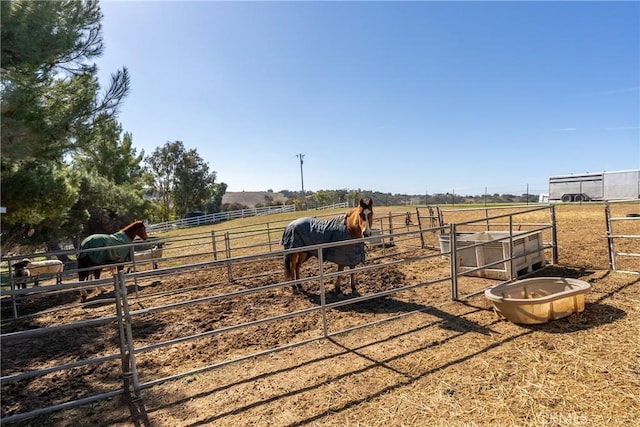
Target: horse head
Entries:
(360, 220)
(136, 228)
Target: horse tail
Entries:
(287, 266)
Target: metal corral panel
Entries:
(622, 185)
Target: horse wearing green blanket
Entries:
(99, 250)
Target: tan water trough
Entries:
(538, 299)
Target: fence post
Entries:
(420, 228)
(323, 298)
(390, 229)
(227, 244)
(512, 264)
(126, 369)
(612, 254)
(130, 355)
(554, 234)
(453, 259)
(486, 215)
(213, 243)
(384, 244)
(12, 286)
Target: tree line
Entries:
(68, 168)
(313, 200)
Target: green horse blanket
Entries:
(116, 248)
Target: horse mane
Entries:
(134, 224)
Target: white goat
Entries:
(46, 267)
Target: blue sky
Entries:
(399, 97)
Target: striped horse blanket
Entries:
(120, 253)
(313, 231)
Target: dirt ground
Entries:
(440, 363)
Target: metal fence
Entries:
(121, 322)
(225, 216)
(629, 224)
(218, 217)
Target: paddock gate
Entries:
(111, 345)
(623, 238)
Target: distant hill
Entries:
(251, 198)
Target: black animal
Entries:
(21, 273)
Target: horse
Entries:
(117, 249)
(312, 231)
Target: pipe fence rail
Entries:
(401, 239)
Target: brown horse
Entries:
(116, 249)
(312, 231)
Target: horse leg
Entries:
(85, 276)
(291, 269)
(82, 276)
(96, 276)
(337, 288)
(354, 291)
(83, 291)
(300, 258)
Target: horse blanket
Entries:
(120, 253)
(313, 231)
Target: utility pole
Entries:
(304, 198)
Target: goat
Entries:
(46, 267)
(21, 273)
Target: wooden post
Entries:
(213, 243)
(420, 228)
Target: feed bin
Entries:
(445, 240)
(378, 241)
(538, 299)
(492, 248)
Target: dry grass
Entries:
(459, 365)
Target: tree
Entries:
(50, 103)
(193, 186)
(49, 89)
(110, 153)
(32, 208)
(182, 181)
(161, 165)
(324, 197)
(112, 178)
(215, 204)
